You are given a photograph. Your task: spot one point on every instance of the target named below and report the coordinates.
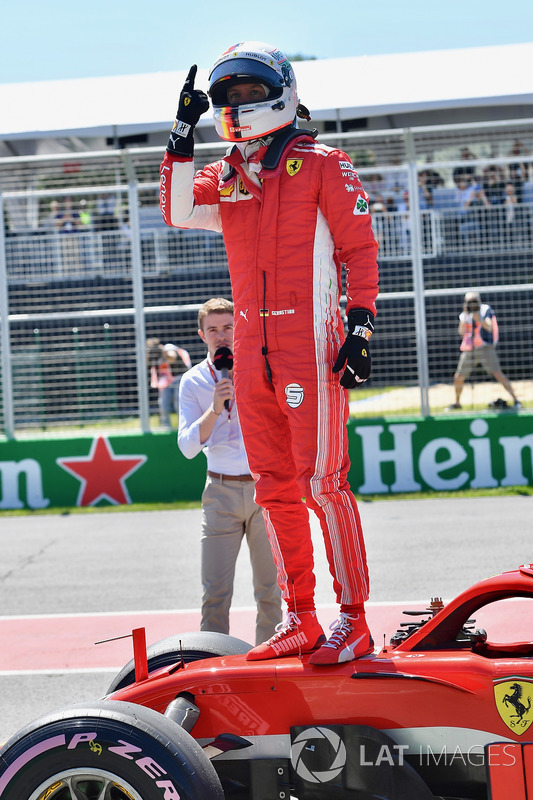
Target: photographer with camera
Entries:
(479, 330)
(165, 375)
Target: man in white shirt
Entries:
(208, 421)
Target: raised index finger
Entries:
(189, 81)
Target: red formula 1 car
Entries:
(443, 711)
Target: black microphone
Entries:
(223, 361)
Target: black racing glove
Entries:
(192, 104)
(354, 352)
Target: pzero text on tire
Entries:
(108, 749)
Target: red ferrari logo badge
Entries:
(513, 701)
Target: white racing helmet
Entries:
(253, 62)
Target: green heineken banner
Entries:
(97, 470)
(441, 453)
(389, 456)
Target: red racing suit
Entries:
(286, 233)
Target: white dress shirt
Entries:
(224, 449)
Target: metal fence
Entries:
(88, 272)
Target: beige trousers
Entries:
(229, 514)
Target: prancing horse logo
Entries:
(293, 165)
(513, 701)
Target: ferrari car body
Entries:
(441, 711)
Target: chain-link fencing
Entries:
(89, 272)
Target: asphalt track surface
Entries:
(71, 580)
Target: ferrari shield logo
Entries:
(513, 701)
(293, 165)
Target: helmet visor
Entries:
(241, 70)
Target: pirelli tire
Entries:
(108, 749)
(193, 646)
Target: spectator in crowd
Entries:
(519, 170)
(480, 220)
(378, 207)
(85, 214)
(402, 224)
(165, 375)
(123, 244)
(375, 184)
(516, 176)
(208, 421)
(106, 224)
(392, 230)
(510, 202)
(477, 198)
(467, 171)
(425, 190)
(478, 328)
(393, 183)
(381, 226)
(466, 190)
(291, 211)
(513, 221)
(105, 218)
(86, 249)
(67, 219)
(493, 185)
(432, 178)
(49, 221)
(472, 200)
(67, 222)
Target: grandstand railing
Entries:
(76, 308)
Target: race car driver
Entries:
(291, 211)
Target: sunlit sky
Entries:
(60, 39)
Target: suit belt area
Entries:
(218, 477)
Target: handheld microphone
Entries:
(223, 361)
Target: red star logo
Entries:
(102, 473)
